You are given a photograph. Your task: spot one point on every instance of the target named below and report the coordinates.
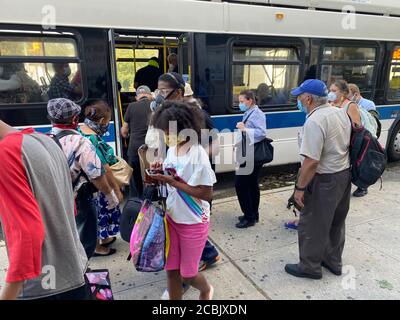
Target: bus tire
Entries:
(393, 151)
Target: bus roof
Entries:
(212, 17)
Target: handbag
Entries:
(122, 172)
(263, 150)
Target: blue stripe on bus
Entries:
(278, 120)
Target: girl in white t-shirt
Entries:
(190, 179)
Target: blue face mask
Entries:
(243, 107)
(301, 107)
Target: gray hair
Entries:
(319, 101)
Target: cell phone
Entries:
(154, 172)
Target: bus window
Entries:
(393, 92)
(56, 74)
(129, 61)
(354, 64)
(270, 72)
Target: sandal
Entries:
(109, 253)
(109, 243)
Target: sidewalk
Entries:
(253, 260)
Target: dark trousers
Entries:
(86, 220)
(136, 182)
(248, 193)
(321, 229)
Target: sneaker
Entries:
(291, 225)
(165, 295)
(206, 264)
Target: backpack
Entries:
(131, 211)
(149, 243)
(367, 119)
(367, 157)
(376, 116)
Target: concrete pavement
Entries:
(253, 259)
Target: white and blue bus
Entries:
(223, 47)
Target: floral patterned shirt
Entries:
(81, 155)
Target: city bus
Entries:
(223, 47)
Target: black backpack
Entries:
(367, 157)
(131, 211)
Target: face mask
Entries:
(156, 102)
(301, 107)
(332, 96)
(67, 71)
(243, 107)
(172, 140)
(353, 98)
(100, 129)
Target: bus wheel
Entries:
(394, 144)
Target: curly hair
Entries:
(187, 116)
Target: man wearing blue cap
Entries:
(324, 185)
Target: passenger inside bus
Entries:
(173, 63)
(148, 76)
(16, 86)
(60, 86)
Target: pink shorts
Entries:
(187, 242)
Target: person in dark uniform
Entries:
(136, 124)
(148, 76)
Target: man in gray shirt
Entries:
(324, 185)
(46, 258)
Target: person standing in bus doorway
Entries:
(246, 185)
(148, 76)
(136, 124)
(87, 173)
(324, 185)
(339, 95)
(97, 121)
(37, 215)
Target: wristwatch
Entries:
(299, 189)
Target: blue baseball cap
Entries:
(312, 86)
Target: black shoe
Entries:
(241, 218)
(360, 192)
(294, 270)
(244, 224)
(335, 272)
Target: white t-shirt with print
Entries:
(195, 169)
